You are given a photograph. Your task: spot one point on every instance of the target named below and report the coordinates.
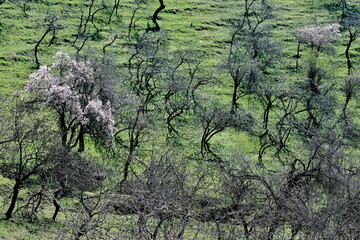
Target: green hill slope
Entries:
(204, 25)
(238, 119)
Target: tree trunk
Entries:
(63, 130)
(115, 9)
(57, 209)
(57, 195)
(271, 233)
(36, 50)
(297, 56)
(81, 140)
(347, 54)
(15, 195)
(234, 104)
(129, 159)
(155, 15)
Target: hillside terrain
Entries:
(203, 25)
(159, 119)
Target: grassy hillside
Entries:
(204, 25)
(271, 164)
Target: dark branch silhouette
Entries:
(155, 16)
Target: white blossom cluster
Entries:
(68, 87)
(316, 36)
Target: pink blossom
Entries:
(101, 113)
(39, 80)
(69, 87)
(62, 59)
(316, 36)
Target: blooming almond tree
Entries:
(316, 37)
(71, 89)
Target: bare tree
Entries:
(215, 119)
(141, 91)
(163, 198)
(184, 75)
(114, 10)
(26, 143)
(52, 26)
(86, 217)
(155, 16)
(251, 50)
(352, 26)
(352, 83)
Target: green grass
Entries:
(18, 228)
(196, 24)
